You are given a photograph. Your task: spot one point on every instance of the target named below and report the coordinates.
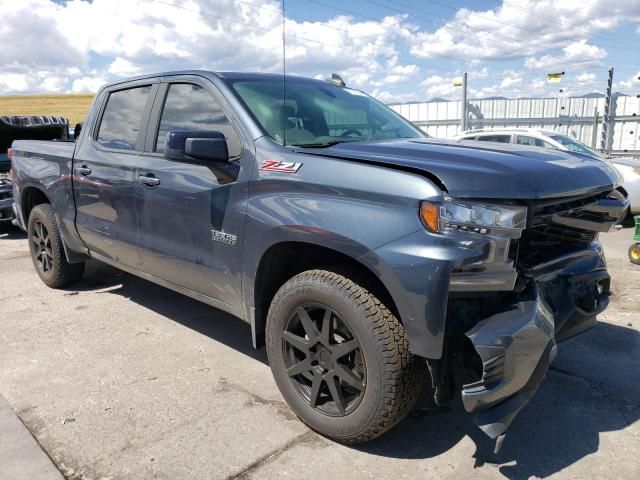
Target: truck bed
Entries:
(46, 164)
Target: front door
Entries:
(192, 215)
(104, 173)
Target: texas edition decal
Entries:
(218, 236)
(279, 166)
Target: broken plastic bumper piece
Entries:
(516, 347)
(517, 344)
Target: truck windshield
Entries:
(318, 114)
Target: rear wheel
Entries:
(340, 358)
(47, 251)
(634, 253)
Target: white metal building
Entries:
(572, 116)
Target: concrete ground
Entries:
(119, 378)
(21, 458)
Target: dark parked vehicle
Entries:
(20, 128)
(6, 201)
(358, 250)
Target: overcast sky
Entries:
(398, 50)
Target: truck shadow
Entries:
(193, 314)
(9, 232)
(593, 387)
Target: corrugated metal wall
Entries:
(571, 116)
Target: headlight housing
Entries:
(462, 215)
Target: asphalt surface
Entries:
(119, 378)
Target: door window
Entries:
(191, 107)
(532, 141)
(495, 138)
(122, 117)
(526, 140)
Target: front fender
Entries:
(352, 209)
(256, 247)
(416, 271)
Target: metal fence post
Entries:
(604, 139)
(464, 109)
(594, 131)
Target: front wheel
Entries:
(47, 251)
(340, 358)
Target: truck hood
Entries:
(485, 169)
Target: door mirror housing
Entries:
(196, 146)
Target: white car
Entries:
(628, 167)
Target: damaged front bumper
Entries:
(517, 344)
(516, 347)
(490, 306)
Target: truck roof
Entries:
(222, 75)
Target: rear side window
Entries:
(122, 117)
(191, 107)
(525, 140)
(534, 142)
(495, 138)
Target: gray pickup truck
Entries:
(365, 256)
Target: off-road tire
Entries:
(61, 273)
(393, 375)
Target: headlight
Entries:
(454, 214)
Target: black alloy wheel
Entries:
(324, 360)
(47, 249)
(339, 357)
(43, 252)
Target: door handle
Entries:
(148, 180)
(84, 170)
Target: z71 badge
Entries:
(279, 166)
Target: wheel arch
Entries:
(29, 198)
(32, 196)
(285, 259)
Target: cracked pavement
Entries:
(119, 378)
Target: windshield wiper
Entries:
(329, 143)
(320, 145)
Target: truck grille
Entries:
(557, 227)
(544, 242)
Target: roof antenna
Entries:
(284, 89)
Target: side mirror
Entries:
(190, 145)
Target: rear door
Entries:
(192, 214)
(104, 173)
